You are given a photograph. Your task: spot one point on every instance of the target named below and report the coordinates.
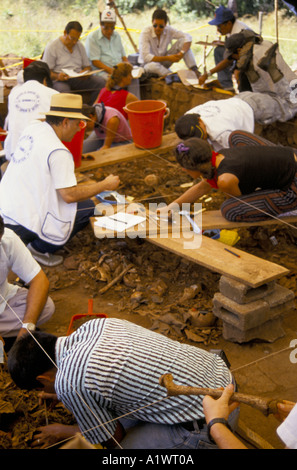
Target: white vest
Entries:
(25, 103)
(40, 165)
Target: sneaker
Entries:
(47, 259)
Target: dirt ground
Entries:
(160, 291)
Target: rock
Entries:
(151, 180)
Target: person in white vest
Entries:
(21, 308)
(40, 199)
(26, 102)
(215, 120)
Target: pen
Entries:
(232, 252)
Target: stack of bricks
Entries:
(252, 313)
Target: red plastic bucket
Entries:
(146, 118)
(76, 144)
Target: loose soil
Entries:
(161, 291)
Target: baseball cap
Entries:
(108, 16)
(222, 15)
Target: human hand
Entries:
(111, 182)
(219, 408)
(51, 434)
(62, 77)
(176, 57)
(202, 78)
(284, 408)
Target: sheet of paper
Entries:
(119, 222)
(74, 74)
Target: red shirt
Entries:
(213, 181)
(114, 99)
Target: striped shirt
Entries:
(110, 367)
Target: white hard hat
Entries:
(108, 16)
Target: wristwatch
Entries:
(29, 326)
(214, 421)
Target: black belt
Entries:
(192, 425)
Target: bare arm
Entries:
(111, 131)
(218, 68)
(102, 66)
(85, 191)
(192, 194)
(36, 299)
(228, 183)
(220, 408)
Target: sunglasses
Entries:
(158, 26)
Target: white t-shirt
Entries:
(26, 102)
(40, 165)
(14, 256)
(287, 431)
(222, 117)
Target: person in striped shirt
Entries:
(107, 374)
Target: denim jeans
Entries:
(143, 435)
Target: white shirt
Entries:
(150, 45)
(14, 256)
(287, 431)
(25, 103)
(221, 117)
(40, 165)
(237, 27)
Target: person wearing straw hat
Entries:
(40, 198)
(21, 308)
(68, 53)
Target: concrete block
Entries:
(241, 293)
(253, 314)
(242, 316)
(269, 331)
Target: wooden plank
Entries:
(211, 254)
(125, 153)
(248, 269)
(214, 219)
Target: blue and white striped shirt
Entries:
(110, 367)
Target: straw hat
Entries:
(66, 105)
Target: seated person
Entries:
(27, 102)
(67, 52)
(155, 51)
(108, 128)
(259, 181)
(104, 45)
(215, 120)
(115, 93)
(21, 309)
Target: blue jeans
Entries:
(85, 210)
(143, 435)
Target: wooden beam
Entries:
(202, 250)
(125, 153)
(212, 254)
(214, 219)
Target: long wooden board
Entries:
(212, 254)
(125, 153)
(214, 219)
